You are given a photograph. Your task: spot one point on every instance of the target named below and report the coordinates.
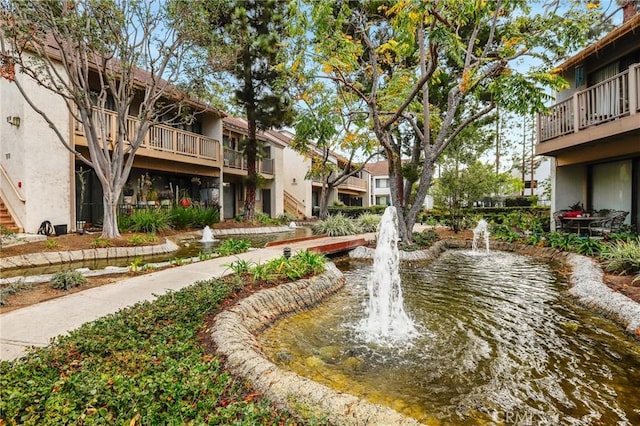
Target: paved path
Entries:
(35, 325)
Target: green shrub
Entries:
(65, 280)
(562, 241)
(623, 256)
(124, 222)
(425, 238)
(150, 221)
(588, 246)
(232, 246)
(504, 233)
(355, 211)
(13, 288)
(265, 219)
(4, 231)
(141, 239)
(51, 244)
(182, 218)
(336, 226)
(368, 222)
(101, 243)
(300, 265)
(286, 218)
(205, 216)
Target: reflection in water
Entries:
(499, 342)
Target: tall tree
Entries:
(324, 126)
(244, 39)
(389, 54)
(456, 189)
(99, 55)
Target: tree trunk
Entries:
(324, 202)
(110, 217)
(251, 152)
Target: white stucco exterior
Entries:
(33, 157)
(294, 169)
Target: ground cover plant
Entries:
(142, 365)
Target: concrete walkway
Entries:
(36, 325)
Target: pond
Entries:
(187, 248)
(498, 342)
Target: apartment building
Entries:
(380, 193)
(41, 180)
(592, 132)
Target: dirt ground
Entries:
(69, 242)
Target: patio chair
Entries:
(610, 223)
(557, 219)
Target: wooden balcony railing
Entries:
(236, 160)
(160, 137)
(608, 100)
(354, 183)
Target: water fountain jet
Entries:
(207, 235)
(386, 321)
(481, 229)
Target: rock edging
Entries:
(234, 332)
(52, 258)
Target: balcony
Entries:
(606, 109)
(353, 184)
(235, 160)
(161, 141)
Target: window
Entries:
(580, 80)
(527, 184)
(382, 201)
(382, 183)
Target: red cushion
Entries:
(572, 214)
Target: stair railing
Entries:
(15, 195)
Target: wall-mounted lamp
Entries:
(14, 121)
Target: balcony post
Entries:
(634, 76)
(576, 112)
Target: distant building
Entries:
(541, 174)
(380, 185)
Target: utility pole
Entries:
(524, 143)
(532, 184)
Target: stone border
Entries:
(234, 332)
(53, 258)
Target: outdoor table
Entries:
(580, 221)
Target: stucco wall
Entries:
(295, 166)
(570, 186)
(33, 155)
(277, 200)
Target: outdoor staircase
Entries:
(6, 220)
(293, 206)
